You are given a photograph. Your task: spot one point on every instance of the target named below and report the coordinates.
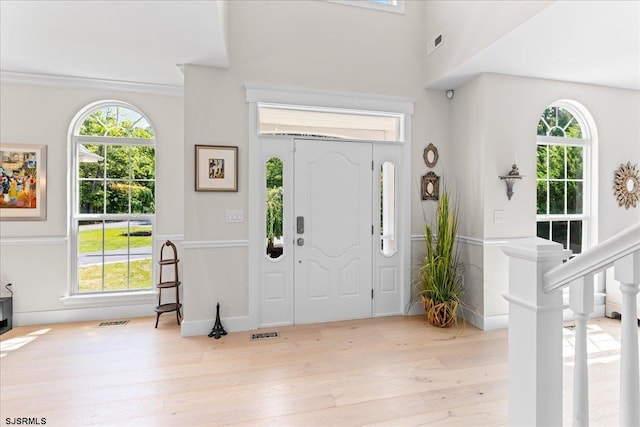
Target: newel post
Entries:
(627, 272)
(535, 334)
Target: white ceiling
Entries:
(142, 41)
(593, 42)
(126, 41)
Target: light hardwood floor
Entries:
(394, 371)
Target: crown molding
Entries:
(89, 83)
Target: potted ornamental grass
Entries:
(440, 284)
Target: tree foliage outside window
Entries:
(559, 122)
(124, 182)
(561, 157)
(274, 198)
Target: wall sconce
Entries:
(511, 178)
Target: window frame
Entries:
(76, 217)
(586, 142)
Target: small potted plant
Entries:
(440, 284)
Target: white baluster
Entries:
(581, 302)
(627, 272)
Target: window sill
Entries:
(140, 297)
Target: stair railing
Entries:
(537, 276)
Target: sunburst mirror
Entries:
(626, 186)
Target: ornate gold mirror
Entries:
(430, 186)
(430, 155)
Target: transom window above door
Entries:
(337, 124)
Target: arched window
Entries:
(113, 199)
(563, 176)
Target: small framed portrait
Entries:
(216, 168)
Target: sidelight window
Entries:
(388, 238)
(274, 208)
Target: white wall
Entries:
(467, 27)
(307, 45)
(34, 254)
(495, 120)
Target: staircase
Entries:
(537, 277)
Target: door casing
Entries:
(262, 147)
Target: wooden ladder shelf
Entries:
(172, 283)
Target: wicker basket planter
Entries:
(440, 314)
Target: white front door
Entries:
(333, 231)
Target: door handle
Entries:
(300, 241)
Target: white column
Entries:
(627, 272)
(535, 334)
(581, 303)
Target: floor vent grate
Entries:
(115, 323)
(265, 335)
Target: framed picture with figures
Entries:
(216, 168)
(23, 185)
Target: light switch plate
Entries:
(235, 216)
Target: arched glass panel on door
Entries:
(388, 239)
(274, 207)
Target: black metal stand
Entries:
(217, 330)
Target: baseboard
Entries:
(274, 325)
(388, 314)
(485, 323)
(192, 328)
(501, 321)
(82, 314)
(415, 309)
(490, 323)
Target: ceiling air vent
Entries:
(434, 43)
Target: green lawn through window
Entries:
(114, 239)
(115, 276)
